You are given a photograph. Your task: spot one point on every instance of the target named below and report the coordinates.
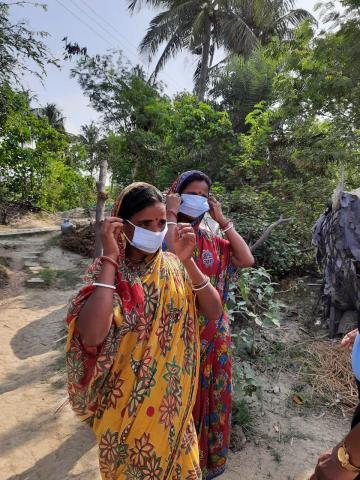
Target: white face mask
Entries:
(146, 240)
(193, 205)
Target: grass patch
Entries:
(5, 262)
(49, 277)
(53, 241)
(276, 455)
(60, 278)
(68, 278)
(4, 276)
(322, 373)
(241, 415)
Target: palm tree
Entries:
(90, 138)
(201, 27)
(54, 115)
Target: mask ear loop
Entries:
(208, 226)
(197, 220)
(127, 239)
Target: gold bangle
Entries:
(344, 459)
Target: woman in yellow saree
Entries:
(133, 344)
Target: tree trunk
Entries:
(204, 71)
(100, 205)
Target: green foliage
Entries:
(59, 278)
(245, 384)
(89, 141)
(4, 276)
(138, 155)
(242, 84)
(21, 49)
(281, 124)
(185, 133)
(251, 306)
(203, 28)
(241, 415)
(118, 91)
(150, 137)
(197, 135)
(54, 116)
(65, 188)
(33, 158)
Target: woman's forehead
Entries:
(152, 212)
(197, 185)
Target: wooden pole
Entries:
(100, 205)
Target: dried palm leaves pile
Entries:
(81, 240)
(327, 369)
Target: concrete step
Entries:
(34, 282)
(27, 231)
(36, 269)
(29, 263)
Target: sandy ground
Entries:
(33, 220)
(39, 444)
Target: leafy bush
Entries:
(34, 167)
(251, 307)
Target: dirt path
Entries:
(39, 444)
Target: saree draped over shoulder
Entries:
(137, 390)
(212, 409)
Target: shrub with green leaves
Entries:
(251, 306)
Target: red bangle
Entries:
(222, 227)
(111, 260)
(173, 212)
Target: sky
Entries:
(99, 25)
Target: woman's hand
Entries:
(329, 468)
(110, 230)
(216, 211)
(184, 241)
(349, 339)
(173, 202)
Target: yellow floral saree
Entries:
(138, 388)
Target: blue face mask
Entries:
(356, 357)
(193, 205)
(146, 240)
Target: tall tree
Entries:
(238, 26)
(242, 84)
(21, 49)
(117, 90)
(54, 116)
(89, 138)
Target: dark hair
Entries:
(195, 177)
(137, 199)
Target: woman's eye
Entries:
(162, 222)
